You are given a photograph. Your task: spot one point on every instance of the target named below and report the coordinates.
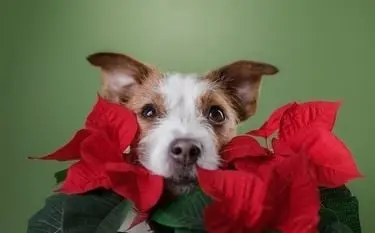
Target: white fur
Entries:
(183, 120)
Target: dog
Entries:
(184, 119)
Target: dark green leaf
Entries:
(334, 193)
(85, 213)
(99, 211)
(186, 212)
(338, 227)
(327, 218)
(343, 204)
(115, 218)
(49, 218)
(158, 228)
(61, 175)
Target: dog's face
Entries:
(184, 119)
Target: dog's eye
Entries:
(216, 115)
(148, 111)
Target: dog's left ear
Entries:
(241, 81)
(121, 74)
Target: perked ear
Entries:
(241, 81)
(120, 74)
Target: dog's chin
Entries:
(183, 179)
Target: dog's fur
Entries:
(181, 105)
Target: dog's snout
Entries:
(185, 151)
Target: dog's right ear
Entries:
(241, 81)
(120, 74)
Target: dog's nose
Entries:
(185, 151)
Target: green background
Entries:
(324, 49)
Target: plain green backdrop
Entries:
(324, 49)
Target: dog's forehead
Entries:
(182, 89)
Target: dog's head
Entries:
(184, 119)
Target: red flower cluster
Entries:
(278, 188)
(110, 129)
(257, 188)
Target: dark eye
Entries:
(148, 111)
(216, 115)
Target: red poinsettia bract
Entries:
(278, 188)
(240, 202)
(98, 148)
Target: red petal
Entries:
(322, 113)
(82, 178)
(281, 148)
(242, 146)
(124, 123)
(89, 173)
(260, 166)
(98, 149)
(119, 122)
(308, 115)
(241, 192)
(263, 166)
(95, 118)
(70, 151)
(136, 184)
(334, 163)
(217, 220)
(277, 193)
(301, 207)
(291, 121)
(272, 124)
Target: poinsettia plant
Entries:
(258, 188)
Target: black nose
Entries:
(185, 151)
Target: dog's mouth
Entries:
(182, 180)
(183, 174)
(180, 185)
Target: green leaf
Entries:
(100, 211)
(338, 227)
(158, 228)
(327, 218)
(343, 204)
(61, 175)
(115, 218)
(85, 213)
(49, 218)
(186, 212)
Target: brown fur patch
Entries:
(241, 83)
(226, 131)
(145, 94)
(115, 65)
(120, 63)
